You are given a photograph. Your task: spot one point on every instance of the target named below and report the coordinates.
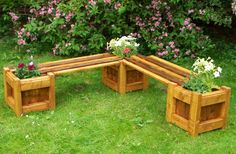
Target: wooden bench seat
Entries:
(159, 69)
(77, 64)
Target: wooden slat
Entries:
(151, 74)
(210, 125)
(73, 60)
(183, 95)
(86, 67)
(170, 101)
(11, 102)
(79, 64)
(122, 78)
(52, 98)
(170, 73)
(214, 98)
(171, 66)
(157, 72)
(195, 112)
(36, 106)
(10, 78)
(17, 98)
(225, 106)
(35, 83)
(5, 70)
(181, 122)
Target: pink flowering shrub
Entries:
(168, 35)
(216, 12)
(74, 27)
(83, 27)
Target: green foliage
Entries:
(28, 70)
(196, 84)
(204, 76)
(168, 29)
(125, 46)
(217, 12)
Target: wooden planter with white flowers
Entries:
(196, 112)
(123, 78)
(26, 95)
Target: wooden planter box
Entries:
(26, 95)
(123, 78)
(195, 112)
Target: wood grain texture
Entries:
(86, 68)
(158, 72)
(17, 98)
(170, 104)
(122, 78)
(144, 71)
(5, 70)
(160, 68)
(172, 65)
(74, 60)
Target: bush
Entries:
(84, 27)
(74, 27)
(217, 12)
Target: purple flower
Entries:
(14, 17)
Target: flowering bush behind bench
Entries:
(84, 27)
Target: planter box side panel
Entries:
(210, 112)
(34, 96)
(110, 77)
(135, 80)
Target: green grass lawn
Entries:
(91, 118)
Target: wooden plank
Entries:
(181, 122)
(195, 111)
(111, 84)
(213, 98)
(151, 74)
(122, 78)
(36, 107)
(211, 125)
(133, 87)
(225, 106)
(157, 72)
(153, 65)
(17, 98)
(5, 70)
(73, 60)
(11, 102)
(79, 64)
(35, 83)
(52, 98)
(86, 67)
(145, 82)
(10, 79)
(172, 65)
(170, 104)
(183, 95)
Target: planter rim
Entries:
(207, 93)
(37, 77)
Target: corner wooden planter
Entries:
(195, 112)
(123, 78)
(26, 95)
